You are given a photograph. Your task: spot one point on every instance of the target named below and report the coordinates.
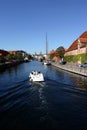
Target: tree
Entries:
(52, 54)
(9, 57)
(18, 57)
(60, 51)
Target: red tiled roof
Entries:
(82, 38)
(52, 52)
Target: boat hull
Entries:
(36, 77)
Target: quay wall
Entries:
(74, 68)
(9, 65)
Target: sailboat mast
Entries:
(46, 45)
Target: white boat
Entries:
(47, 63)
(36, 76)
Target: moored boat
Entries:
(47, 62)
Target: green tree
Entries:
(60, 51)
(18, 57)
(9, 57)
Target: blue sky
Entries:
(24, 23)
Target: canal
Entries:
(58, 103)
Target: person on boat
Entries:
(39, 72)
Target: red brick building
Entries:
(79, 46)
(3, 53)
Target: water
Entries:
(58, 103)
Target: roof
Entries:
(82, 38)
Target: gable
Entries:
(74, 45)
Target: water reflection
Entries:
(64, 77)
(78, 81)
(60, 102)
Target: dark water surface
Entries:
(58, 103)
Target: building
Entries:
(3, 54)
(23, 53)
(78, 48)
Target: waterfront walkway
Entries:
(71, 67)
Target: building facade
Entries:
(78, 47)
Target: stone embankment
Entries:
(9, 64)
(74, 68)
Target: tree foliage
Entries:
(60, 51)
(9, 57)
(60, 48)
